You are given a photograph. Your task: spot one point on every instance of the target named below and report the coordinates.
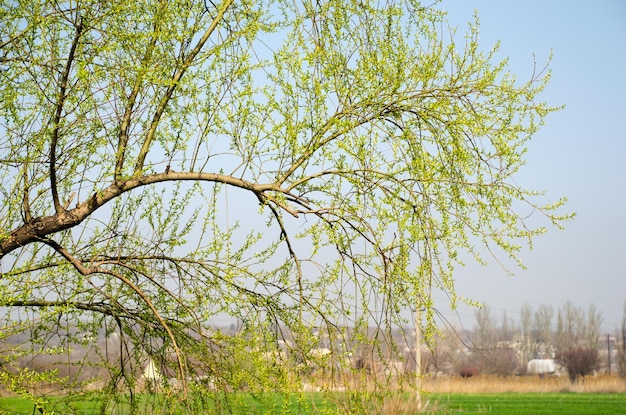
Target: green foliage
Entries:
(310, 170)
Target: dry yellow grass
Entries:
(522, 384)
(476, 384)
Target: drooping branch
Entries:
(284, 235)
(78, 265)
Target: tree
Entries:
(594, 321)
(529, 346)
(485, 330)
(536, 327)
(494, 353)
(575, 327)
(290, 165)
(542, 325)
(579, 361)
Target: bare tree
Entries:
(542, 323)
(577, 327)
(529, 346)
(569, 330)
(494, 353)
(592, 327)
(579, 361)
(485, 330)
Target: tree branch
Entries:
(58, 115)
(39, 228)
(128, 110)
(145, 148)
(25, 202)
(95, 270)
(97, 307)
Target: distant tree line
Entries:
(570, 334)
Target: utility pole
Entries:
(418, 359)
(623, 351)
(608, 346)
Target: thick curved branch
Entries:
(39, 228)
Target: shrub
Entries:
(468, 372)
(579, 361)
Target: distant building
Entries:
(541, 367)
(151, 372)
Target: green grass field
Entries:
(530, 404)
(444, 404)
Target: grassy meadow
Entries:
(525, 395)
(529, 404)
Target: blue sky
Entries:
(580, 153)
